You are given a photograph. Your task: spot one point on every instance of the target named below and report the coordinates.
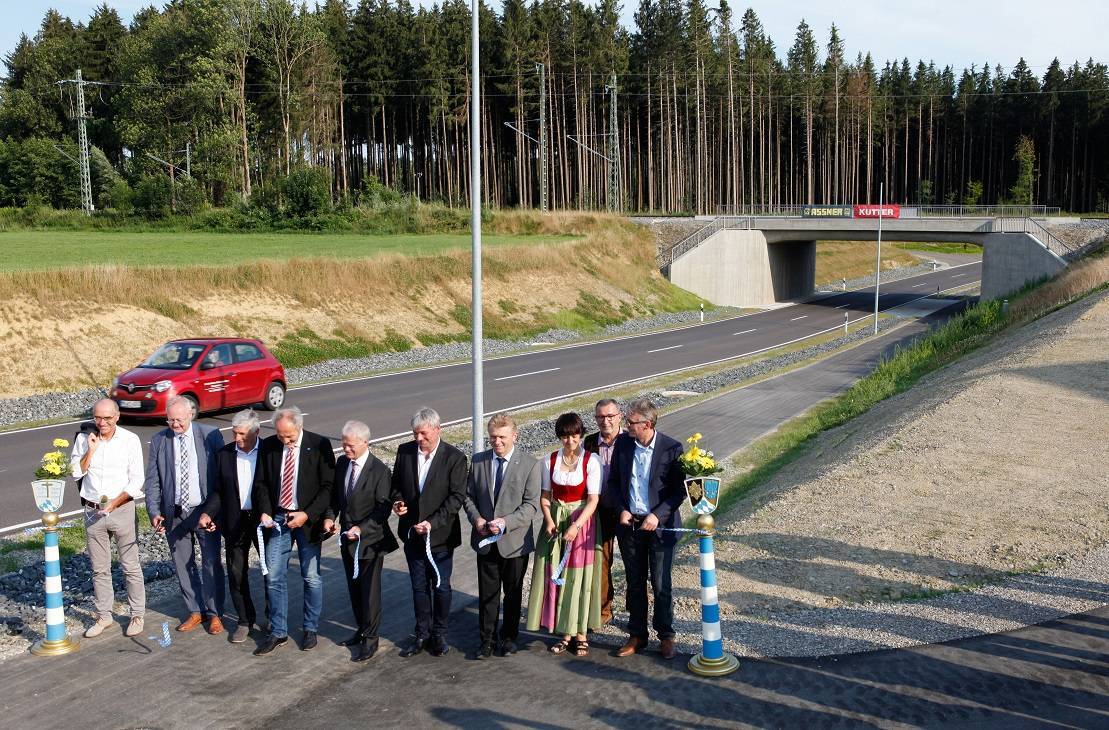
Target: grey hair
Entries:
(246, 418)
(425, 417)
(357, 430)
(644, 407)
(606, 402)
(289, 413)
(178, 399)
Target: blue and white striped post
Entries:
(712, 661)
(57, 640)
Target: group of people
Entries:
(563, 512)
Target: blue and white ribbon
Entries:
(427, 551)
(357, 554)
(166, 639)
(683, 529)
(556, 577)
(262, 551)
(490, 540)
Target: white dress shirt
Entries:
(573, 478)
(116, 466)
(423, 466)
(245, 464)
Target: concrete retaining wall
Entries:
(1011, 260)
(740, 269)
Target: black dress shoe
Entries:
(508, 647)
(412, 649)
(486, 650)
(271, 643)
(309, 641)
(438, 646)
(367, 651)
(354, 640)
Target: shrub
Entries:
(153, 196)
(307, 192)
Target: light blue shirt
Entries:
(641, 477)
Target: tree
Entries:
(1024, 153)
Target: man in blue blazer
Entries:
(646, 488)
(181, 468)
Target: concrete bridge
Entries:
(756, 260)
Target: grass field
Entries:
(40, 250)
(969, 248)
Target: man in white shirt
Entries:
(230, 509)
(109, 463)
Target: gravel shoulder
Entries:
(972, 503)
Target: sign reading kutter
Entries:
(877, 211)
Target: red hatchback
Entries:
(214, 373)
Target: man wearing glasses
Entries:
(646, 487)
(108, 463)
(608, 416)
(183, 467)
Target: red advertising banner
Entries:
(872, 211)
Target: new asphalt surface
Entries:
(386, 402)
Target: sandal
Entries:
(560, 647)
(581, 648)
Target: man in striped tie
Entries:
(292, 492)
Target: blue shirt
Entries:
(641, 477)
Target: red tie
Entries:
(286, 501)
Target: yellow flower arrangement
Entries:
(696, 462)
(54, 464)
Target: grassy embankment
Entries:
(964, 333)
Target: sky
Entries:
(947, 32)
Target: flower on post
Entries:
(697, 462)
(54, 464)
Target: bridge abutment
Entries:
(1011, 260)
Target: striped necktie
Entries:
(183, 474)
(287, 475)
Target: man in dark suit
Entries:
(229, 508)
(603, 443)
(502, 503)
(646, 488)
(429, 485)
(179, 474)
(360, 502)
(292, 494)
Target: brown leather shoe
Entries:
(194, 620)
(667, 649)
(634, 645)
(215, 626)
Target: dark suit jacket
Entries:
(161, 470)
(444, 491)
(315, 476)
(368, 507)
(222, 504)
(665, 485)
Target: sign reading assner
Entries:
(826, 211)
(872, 211)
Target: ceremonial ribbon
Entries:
(556, 576)
(166, 639)
(682, 529)
(427, 551)
(262, 551)
(357, 553)
(490, 540)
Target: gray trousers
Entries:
(122, 525)
(203, 588)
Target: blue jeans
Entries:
(279, 548)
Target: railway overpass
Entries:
(756, 260)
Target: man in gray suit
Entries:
(502, 502)
(181, 467)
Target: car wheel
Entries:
(192, 400)
(275, 396)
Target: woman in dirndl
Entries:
(571, 491)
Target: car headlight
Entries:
(162, 386)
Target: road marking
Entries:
(956, 276)
(914, 286)
(797, 318)
(38, 523)
(533, 372)
(843, 306)
(672, 347)
(745, 332)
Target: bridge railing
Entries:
(720, 223)
(1032, 227)
(907, 211)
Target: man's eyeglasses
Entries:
(172, 421)
(608, 417)
(636, 423)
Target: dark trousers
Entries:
(201, 586)
(237, 548)
(646, 555)
(432, 605)
(608, 523)
(495, 574)
(365, 590)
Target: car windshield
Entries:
(174, 356)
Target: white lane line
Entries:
(672, 347)
(38, 523)
(956, 276)
(797, 318)
(843, 306)
(744, 332)
(914, 286)
(533, 372)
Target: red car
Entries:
(213, 372)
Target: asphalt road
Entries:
(386, 402)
